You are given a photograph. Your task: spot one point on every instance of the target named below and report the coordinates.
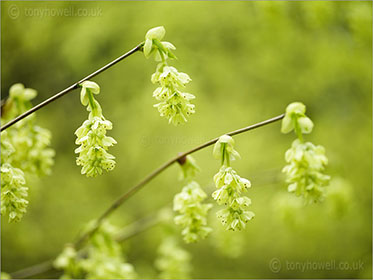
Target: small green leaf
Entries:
(156, 33)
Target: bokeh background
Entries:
(248, 61)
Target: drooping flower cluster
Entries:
(91, 136)
(24, 152)
(13, 193)
(192, 212)
(173, 261)
(189, 203)
(174, 103)
(13, 190)
(104, 259)
(32, 152)
(306, 162)
(305, 170)
(230, 188)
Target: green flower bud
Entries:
(16, 90)
(19, 92)
(295, 119)
(296, 108)
(305, 124)
(189, 168)
(224, 149)
(156, 33)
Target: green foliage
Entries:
(91, 136)
(174, 104)
(306, 162)
(173, 262)
(189, 203)
(104, 258)
(230, 188)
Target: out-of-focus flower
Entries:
(192, 212)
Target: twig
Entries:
(126, 233)
(33, 270)
(129, 231)
(70, 88)
(159, 170)
(135, 228)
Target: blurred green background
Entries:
(248, 61)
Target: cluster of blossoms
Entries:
(24, 151)
(173, 261)
(32, 152)
(13, 191)
(91, 136)
(104, 259)
(192, 212)
(174, 103)
(189, 203)
(306, 162)
(230, 188)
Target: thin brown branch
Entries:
(136, 227)
(159, 170)
(33, 270)
(126, 233)
(70, 88)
